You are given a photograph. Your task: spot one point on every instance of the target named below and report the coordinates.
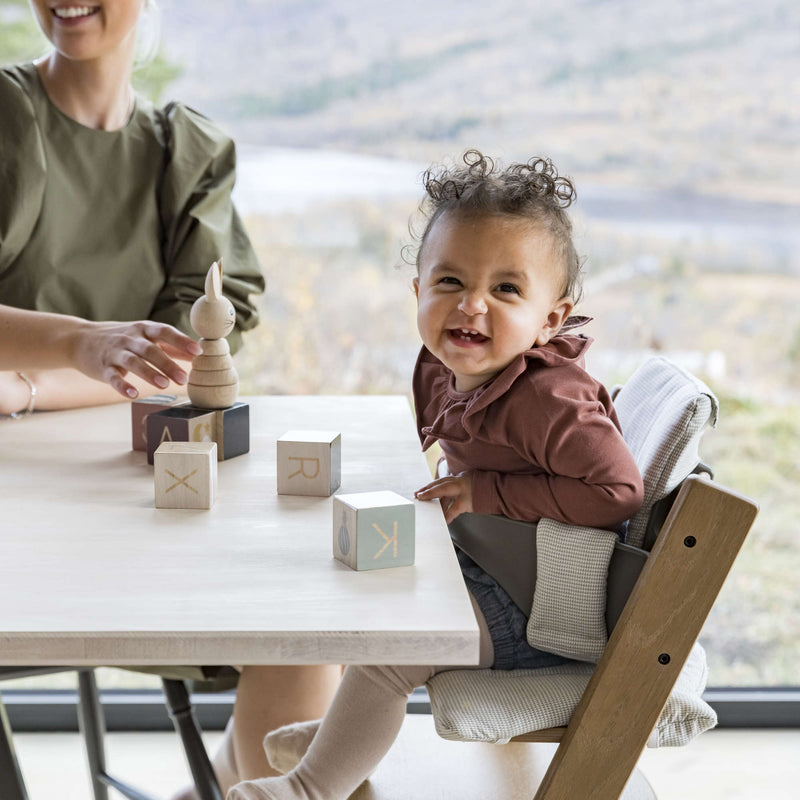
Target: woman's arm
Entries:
(201, 224)
(130, 357)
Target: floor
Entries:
(729, 764)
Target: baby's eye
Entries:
(508, 288)
(450, 280)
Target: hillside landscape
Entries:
(660, 94)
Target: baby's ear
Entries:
(555, 319)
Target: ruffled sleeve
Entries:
(22, 169)
(568, 426)
(201, 223)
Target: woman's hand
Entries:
(454, 492)
(108, 351)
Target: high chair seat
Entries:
(494, 706)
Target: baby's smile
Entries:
(464, 337)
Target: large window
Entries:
(679, 125)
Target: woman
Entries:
(112, 209)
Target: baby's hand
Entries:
(454, 492)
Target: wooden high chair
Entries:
(646, 686)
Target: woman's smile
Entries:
(74, 14)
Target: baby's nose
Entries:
(472, 303)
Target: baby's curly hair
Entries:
(533, 191)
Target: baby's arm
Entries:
(588, 475)
(574, 500)
(454, 492)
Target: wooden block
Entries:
(141, 408)
(180, 424)
(309, 463)
(373, 530)
(185, 474)
(233, 431)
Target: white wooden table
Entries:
(92, 573)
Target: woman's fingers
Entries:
(115, 378)
(172, 341)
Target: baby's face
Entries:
(488, 289)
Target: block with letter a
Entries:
(309, 463)
(373, 530)
(180, 424)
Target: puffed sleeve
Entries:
(22, 170)
(201, 223)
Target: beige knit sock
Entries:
(286, 746)
(357, 731)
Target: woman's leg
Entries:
(356, 733)
(270, 697)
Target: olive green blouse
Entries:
(117, 225)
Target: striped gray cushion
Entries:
(485, 705)
(686, 714)
(569, 602)
(663, 410)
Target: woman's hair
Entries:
(533, 191)
(148, 36)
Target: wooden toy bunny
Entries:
(213, 381)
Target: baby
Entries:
(525, 432)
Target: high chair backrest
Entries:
(663, 411)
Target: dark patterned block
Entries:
(233, 431)
(180, 424)
(228, 427)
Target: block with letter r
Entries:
(309, 463)
(373, 530)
